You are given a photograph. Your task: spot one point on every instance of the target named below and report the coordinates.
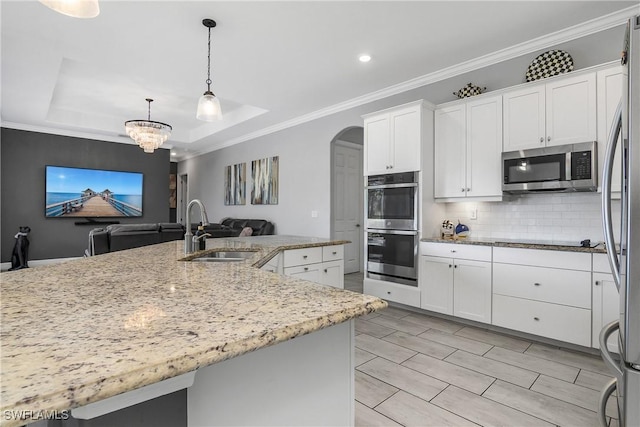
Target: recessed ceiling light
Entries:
(364, 58)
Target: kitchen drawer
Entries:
(601, 263)
(311, 272)
(555, 321)
(456, 250)
(403, 294)
(332, 253)
(568, 287)
(303, 256)
(543, 258)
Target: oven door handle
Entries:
(404, 185)
(402, 232)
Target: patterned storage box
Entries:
(550, 63)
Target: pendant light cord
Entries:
(209, 64)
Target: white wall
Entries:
(560, 217)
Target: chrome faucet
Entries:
(189, 242)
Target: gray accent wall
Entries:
(25, 154)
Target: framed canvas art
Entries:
(235, 184)
(264, 174)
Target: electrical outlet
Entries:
(473, 214)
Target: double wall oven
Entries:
(392, 227)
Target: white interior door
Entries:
(348, 202)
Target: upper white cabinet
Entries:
(609, 94)
(392, 140)
(562, 111)
(468, 143)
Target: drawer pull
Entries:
(334, 253)
(388, 292)
(536, 284)
(453, 251)
(537, 319)
(325, 270)
(306, 269)
(304, 257)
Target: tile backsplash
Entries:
(559, 217)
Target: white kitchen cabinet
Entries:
(392, 139)
(606, 301)
(543, 292)
(562, 111)
(454, 285)
(403, 294)
(324, 265)
(468, 143)
(609, 84)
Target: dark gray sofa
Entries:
(117, 237)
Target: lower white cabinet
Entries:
(403, 294)
(454, 285)
(606, 301)
(564, 323)
(541, 292)
(324, 265)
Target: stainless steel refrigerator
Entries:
(624, 257)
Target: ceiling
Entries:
(272, 63)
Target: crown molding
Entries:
(565, 35)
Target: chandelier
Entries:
(149, 135)
(74, 8)
(208, 104)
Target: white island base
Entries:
(308, 380)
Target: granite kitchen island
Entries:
(131, 324)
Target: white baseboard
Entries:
(38, 262)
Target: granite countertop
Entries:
(84, 330)
(524, 244)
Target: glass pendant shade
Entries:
(74, 8)
(209, 108)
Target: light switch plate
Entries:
(314, 214)
(473, 214)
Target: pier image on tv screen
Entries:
(76, 192)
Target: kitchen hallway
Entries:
(418, 370)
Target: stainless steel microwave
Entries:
(562, 168)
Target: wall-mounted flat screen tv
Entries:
(92, 193)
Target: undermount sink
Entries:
(225, 256)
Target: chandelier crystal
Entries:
(148, 134)
(74, 8)
(208, 104)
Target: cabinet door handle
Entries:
(449, 265)
(542, 139)
(597, 283)
(468, 189)
(536, 284)
(548, 138)
(537, 319)
(455, 266)
(325, 270)
(462, 189)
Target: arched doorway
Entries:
(347, 195)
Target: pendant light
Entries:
(209, 105)
(74, 8)
(149, 135)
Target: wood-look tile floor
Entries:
(418, 370)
